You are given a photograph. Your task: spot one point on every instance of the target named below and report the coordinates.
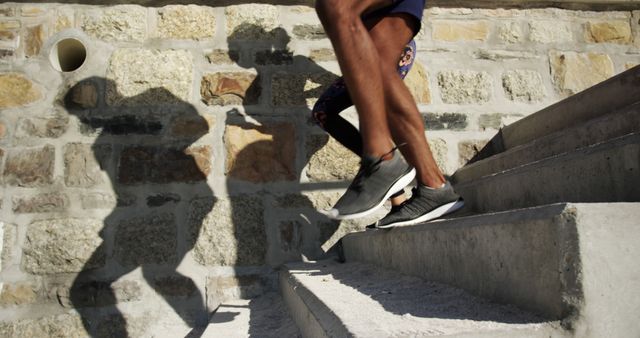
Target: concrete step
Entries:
(572, 262)
(264, 316)
(598, 130)
(606, 172)
(329, 299)
(608, 96)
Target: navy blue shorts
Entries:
(415, 8)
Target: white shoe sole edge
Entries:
(433, 214)
(399, 184)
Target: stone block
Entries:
(60, 326)
(6, 54)
(17, 91)
(6, 11)
(496, 120)
(33, 11)
(322, 55)
(8, 241)
(468, 149)
(175, 286)
(417, 80)
(523, 85)
(125, 325)
(228, 232)
(3, 130)
(309, 32)
(44, 127)
(445, 121)
(125, 23)
(83, 164)
(573, 72)
(290, 236)
(21, 293)
(84, 95)
(149, 77)
(456, 30)
(41, 203)
(98, 201)
(439, 151)
(10, 25)
(608, 32)
(544, 31)
(139, 165)
(510, 32)
(94, 293)
(329, 160)
(224, 288)
(33, 40)
(464, 86)
(191, 126)
(62, 246)
(323, 200)
(261, 154)
(9, 38)
(223, 57)
(291, 90)
(627, 66)
(292, 201)
(251, 21)
(30, 167)
(230, 88)
(64, 19)
(145, 240)
(186, 22)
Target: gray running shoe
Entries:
(375, 182)
(424, 205)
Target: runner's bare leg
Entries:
(367, 75)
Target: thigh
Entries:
(390, 34)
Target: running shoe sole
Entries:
(431, 215)
(400, 183)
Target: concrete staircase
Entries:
(549, 246)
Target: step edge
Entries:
(620, 141)
(466, 173)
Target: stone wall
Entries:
(178, 166)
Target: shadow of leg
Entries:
(88, 294)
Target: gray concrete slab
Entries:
(607, 172)
(361, 300)
(610, 126)
(573, 262)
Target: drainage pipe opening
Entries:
(68, 55)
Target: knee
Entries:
(318, 115)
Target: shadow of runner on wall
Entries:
(263, 136)
(147, 151)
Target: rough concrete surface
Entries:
(265, 316)
(571, 261)
(361, 300)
